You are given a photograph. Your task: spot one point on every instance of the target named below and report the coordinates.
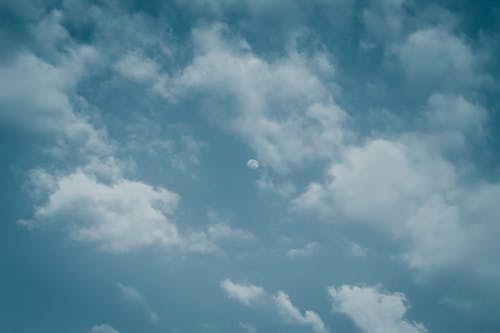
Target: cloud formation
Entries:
(373, 310)
(289, 311)
(251, 295)
(121, 216)
(309, 125)
(244, 293)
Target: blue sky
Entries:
(128, 206)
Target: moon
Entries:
(252, 164)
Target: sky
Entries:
(249, 166)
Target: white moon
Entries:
(252, 164)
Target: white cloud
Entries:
(289, 311)
(103, 328)
(36, 95)
(96, 204)
(136, 66)
(401, 189)
(281, 109)
(249, 295)
(135, 297)
(408, 188)
(367, 182)
(120, 216)
(38, 89)
(246, 294)
(374, 311)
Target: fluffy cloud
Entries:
(244, 293)
(119, 216)
(289, 311)
(136, 66)
(401, 189)
(97, 205)
(281, 109)
(368, 180)
(38, 93)
(103, 328)
(373, 310)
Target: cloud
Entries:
(208, 241)
(289, 311)
(251, 295)
(401, 189)
(103, 328)
(119, 216)
(246, 294)
(281, 109)
(123, 215)
(268, 184)
(367, 180)
(384, 19)
(137, 67)
(408, 187)
(36, 95)
(136, 298)
(374, 311)
(356, 250)
(456, 113)
(454, 122)
(38, 87)
(306, 250)
(97, 205)
(432, 56)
